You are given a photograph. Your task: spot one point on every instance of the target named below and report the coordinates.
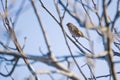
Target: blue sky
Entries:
(27, 26)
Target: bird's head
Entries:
(69, 24)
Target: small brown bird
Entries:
(75, 31)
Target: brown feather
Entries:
(75, 31)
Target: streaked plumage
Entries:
(75, 31)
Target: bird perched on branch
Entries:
(75, 31)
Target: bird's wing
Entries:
(76, 29)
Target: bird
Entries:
(75, 31)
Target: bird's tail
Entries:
(87, 38)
